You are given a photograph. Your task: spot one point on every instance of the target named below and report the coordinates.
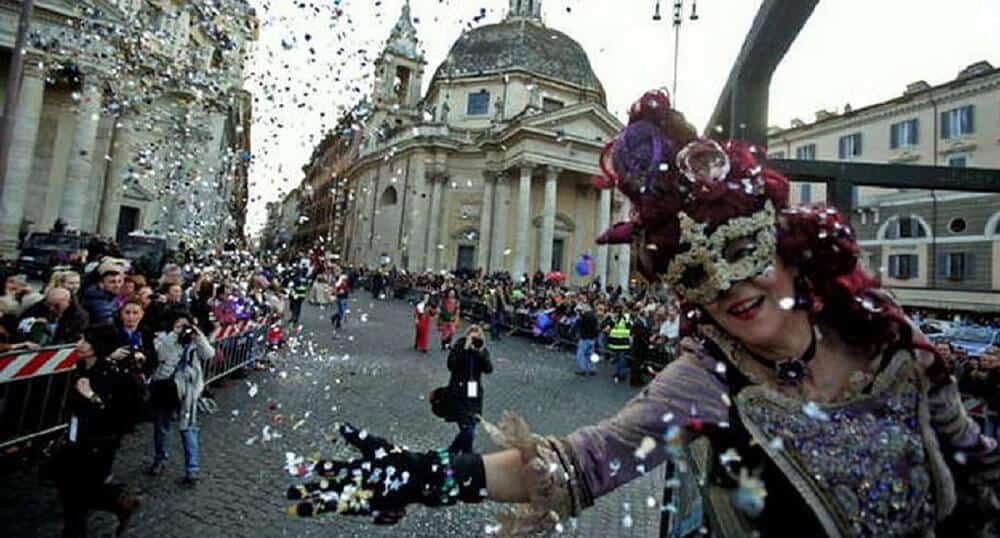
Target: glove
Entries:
(387, 478)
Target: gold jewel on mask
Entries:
(703, 270)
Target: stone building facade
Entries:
(935, 249)
(131, 117)
(326, 196)
(489, 169)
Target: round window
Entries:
(957, 225)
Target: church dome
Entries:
(523, 44)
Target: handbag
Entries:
(442, 404)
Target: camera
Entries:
(186, 335)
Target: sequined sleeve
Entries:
(565, 474)
(635, 440)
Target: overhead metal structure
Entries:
(741, 112)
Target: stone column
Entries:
(548, 219)
(419, 213)
(603, 221)
(81, 156)
(624, 251)
(437, 180)
(523, 223)
(121, 154)
(500, 259)
(22, 154)
(486, 221)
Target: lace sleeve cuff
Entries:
(554, 477)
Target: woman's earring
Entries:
(805, 296)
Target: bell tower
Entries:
(399, 73)
(526, 9)
(400, 69)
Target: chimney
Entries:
(823, 114)
(848, 109)
(917, 87)
(977, 68)
(796, 123)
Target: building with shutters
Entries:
(490, 168)
(935, 249)
(131, 117)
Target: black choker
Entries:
(791, 371)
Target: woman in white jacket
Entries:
(175, 387)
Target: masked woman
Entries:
(821, 410)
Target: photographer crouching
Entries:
(103, 404)
(176, 385)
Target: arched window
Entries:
(993, 226)
(389, 197)
(904, 227)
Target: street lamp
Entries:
(677, 21)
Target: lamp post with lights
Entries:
(678, 20)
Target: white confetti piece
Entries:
(813, 411)
(645, 447)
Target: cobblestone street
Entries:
(372, 378)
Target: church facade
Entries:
(490, 169)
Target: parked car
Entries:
(43, 250)
(934, 327)
(146, 252)
(973, 339)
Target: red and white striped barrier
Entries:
(231, 330)
(24, 365)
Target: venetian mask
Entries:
(711, 263)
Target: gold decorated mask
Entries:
(710, 264)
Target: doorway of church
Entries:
(466, 258)
(558, 247)
(128, 221)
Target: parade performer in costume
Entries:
(824, 412)
(423, 314)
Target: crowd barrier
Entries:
(35, 385)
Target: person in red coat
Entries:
(423, 315)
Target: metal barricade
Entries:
(34, 387)
(235, 350)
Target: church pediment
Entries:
(134, 190)
(588, 121)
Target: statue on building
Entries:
(445, 110)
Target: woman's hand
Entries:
(120, 353)
(381, 482)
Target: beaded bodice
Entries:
(865, 465)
